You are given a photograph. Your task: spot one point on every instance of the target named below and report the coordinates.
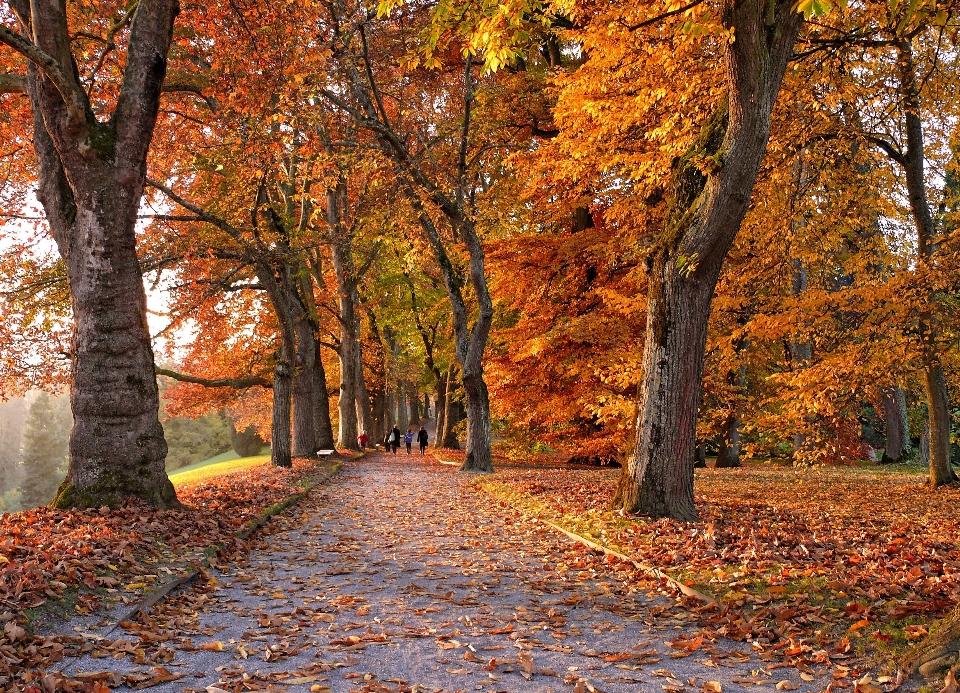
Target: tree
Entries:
(710, 192)
(13, 416)
(246, 443)
(92, 165)
(45, 453)
(358, 77)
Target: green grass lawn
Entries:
(226, 463)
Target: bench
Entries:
(325, 453)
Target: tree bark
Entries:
(728, 452)
(700, 456)
(440, 405)
(341, 247)
(91, 179)
(801, 352)
(413, 406)
(364, 411)
(703, 219)
(279, 285)
(448, 438)
(897, 447)
(347, 403)
(379, 395)
(280, 453)
(938, 398)
(304, 397)
(323, 427)
(401, 402)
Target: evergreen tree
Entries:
(13, 416)
(45, 450)
(247, 442)
(194, 440)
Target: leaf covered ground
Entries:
(400, 576)
(63, 562)
(803, 561)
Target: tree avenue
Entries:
(646, 235)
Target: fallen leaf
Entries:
(949, 683)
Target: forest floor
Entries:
(403, 575)
(802, 561)
(56, 564)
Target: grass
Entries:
(205, 470)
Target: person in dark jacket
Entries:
(395, 436)
(422, 438)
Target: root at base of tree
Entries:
(938, 652)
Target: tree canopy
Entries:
(626, 233)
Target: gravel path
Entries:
(401, 576)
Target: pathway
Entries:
(400, 576)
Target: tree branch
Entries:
(183, 87)
(74, 99)
(202, 214)
(235, 383)
(13, 84)
(665, 15)
(888, 148)
(135, 115)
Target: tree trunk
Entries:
(728, 452)
(658, 479)
(280, 454)
(478, 422)
(364, 410)
(389, 412)
(347, 403)
(897, 446)
(451, 417)
(801, 351)
(938, 402)
(924, 457)
(341, 247)
(304, 397)
(413, 400)
(700, 456)
(380, 416)
(938, 398)
(703, 219)
(441, 406)
(401, 402)
(91, 178)
(323, 427)
(279, 284)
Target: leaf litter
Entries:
(814, 568)
(402, 577)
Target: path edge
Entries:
(708, 600)
(211, 551)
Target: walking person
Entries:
(395, 436)
(422, 438)
(408, 439)
(363, 440)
